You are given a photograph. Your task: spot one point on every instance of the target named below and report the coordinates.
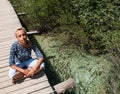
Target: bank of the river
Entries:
(91, 73)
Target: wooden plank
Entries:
(19, 14)
(5, 73)
(9, 31)
(28, 82)
(5, 55)
(9, 22)
(6, 39)
(7, 13)
(3, 65)
(5, 9)
(11, 38)
(33, 88)
(5, 52)
(8, 17)
(4, 61)
(3, 58)
(4, 79)
(32, 32)
(47, 90)
(4, 69)
(10, 26)
(7, 43)
(7, 85)
(6, 48)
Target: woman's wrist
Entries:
(33, 69)
(21, 70)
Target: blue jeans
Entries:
(29, 64)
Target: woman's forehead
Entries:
(20, 32)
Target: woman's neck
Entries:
(25, 45)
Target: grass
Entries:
(91, 73)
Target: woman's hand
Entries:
(26, 71)
(31, 72)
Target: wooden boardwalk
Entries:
(9, 22)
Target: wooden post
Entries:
(19, 14)
(62, 87)
(32, 32)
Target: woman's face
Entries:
(21, 36)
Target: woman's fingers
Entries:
(31, 72)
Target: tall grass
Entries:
(91, 73)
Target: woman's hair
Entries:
(21, 28)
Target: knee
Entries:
(42, 66)
(11, 73)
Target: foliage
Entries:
(91, 25)
(98, 19)
(43, 15)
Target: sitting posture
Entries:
(21, 63)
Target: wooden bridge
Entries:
(9, 22)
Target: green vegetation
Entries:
(98, 19)
(81, 40)
(92, 74)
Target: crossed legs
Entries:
(13, 74)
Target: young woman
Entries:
(20, 57)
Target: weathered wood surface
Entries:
(9, 22)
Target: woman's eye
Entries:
(23, 34)
(19, 36)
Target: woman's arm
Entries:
(37, 66)
(19, 69)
